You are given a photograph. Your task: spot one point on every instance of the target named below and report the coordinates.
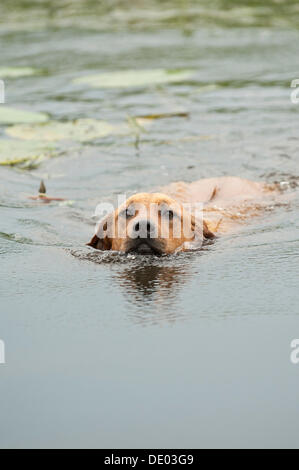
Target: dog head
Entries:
(150, 224)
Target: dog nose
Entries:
(143, 228)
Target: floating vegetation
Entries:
(17, 72)
(150, 15)
(134, 78)
(163, 116)
(43, 197)
(14, 116)
(36, 140)
(15, 237)
(42, 188)
(82, 130)
(79, 130)
(137, 128)
(27, 155)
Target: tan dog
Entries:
(160, 223)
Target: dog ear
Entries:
(206, 232)
(201, 233)
(199, 226)
(101, 240)
(100, 243)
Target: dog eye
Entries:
(167, 213)
(129, 212)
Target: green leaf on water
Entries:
(23, 154)
(13, 116)
(81, 130)
(134, 78)
(17, 72)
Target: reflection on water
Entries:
(153, 288)
(147, 281)
(150, 285)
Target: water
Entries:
(106, 350)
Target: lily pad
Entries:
(134, 78)
(14, 116)
(23, 154)
(16, 72)
(82, 130)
